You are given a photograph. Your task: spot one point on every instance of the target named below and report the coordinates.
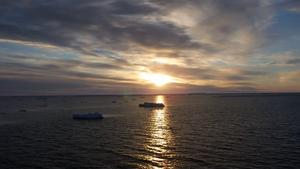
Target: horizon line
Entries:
(151, 94)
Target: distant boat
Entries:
(87, 116)
(152, 105)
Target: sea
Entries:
(192, 131)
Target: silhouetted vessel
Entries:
(152, 105)
(87, 116)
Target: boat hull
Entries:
(152, 105)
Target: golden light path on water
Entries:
(161, 139)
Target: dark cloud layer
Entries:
(106, 24)
(19, 66)
(111, 24)
(293, 61)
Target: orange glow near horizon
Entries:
(156, 78)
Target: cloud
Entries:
(206, 73)
(18, 66)
(290, 77)
(210, 26)
(232, 26)
(293, 61)
(204, 44)
(292, 5)
(190, 88)
(283, 59)
(87, 26)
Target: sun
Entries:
(156, 78)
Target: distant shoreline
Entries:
(229, 94)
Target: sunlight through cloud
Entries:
(156, 78)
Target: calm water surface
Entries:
(192, 131)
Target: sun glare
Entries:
(156, 78)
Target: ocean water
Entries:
(193, 131)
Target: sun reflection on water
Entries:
(161, 139)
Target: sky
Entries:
(76, 47)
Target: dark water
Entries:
(192, 131)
